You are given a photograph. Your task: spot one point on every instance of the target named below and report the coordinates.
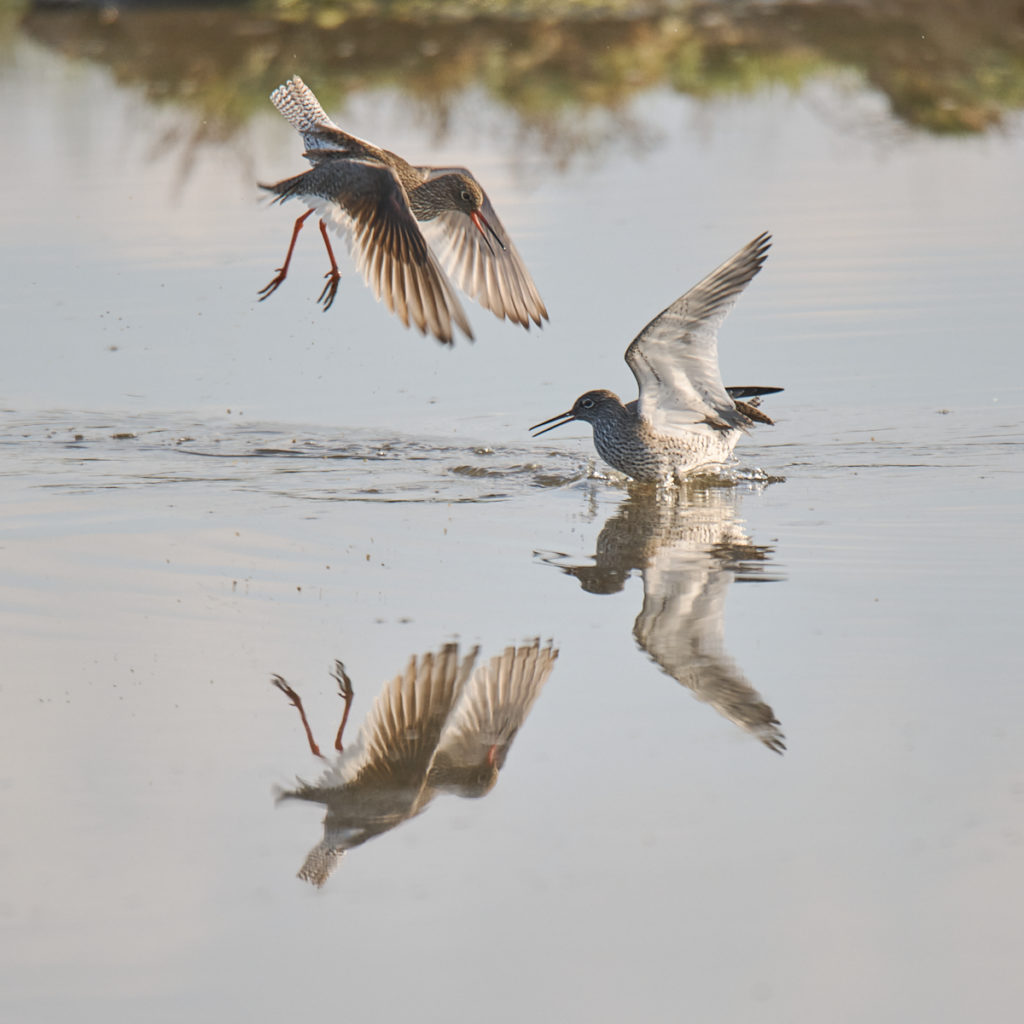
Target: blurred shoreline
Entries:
(949, 67)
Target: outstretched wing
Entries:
(405, 724)
(495, 275)
(680, 626)
(365, 203)
(675, 357)
(493, 707)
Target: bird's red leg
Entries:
(296, 702)
(282, 271)
(333, 275)
(347, 693)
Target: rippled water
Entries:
(133, 451)
(770, 768)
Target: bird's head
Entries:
(589, 407)
(464, 194)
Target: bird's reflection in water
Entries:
(441, 726)
(688, 551)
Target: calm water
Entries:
(775, 772)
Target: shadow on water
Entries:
(688, 551)
(567, 70)
(444, 725)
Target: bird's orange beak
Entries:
(484, 227)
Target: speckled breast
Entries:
(650, 458)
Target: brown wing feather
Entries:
(365, 203)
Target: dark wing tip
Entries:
(747, 391)
(757, 250)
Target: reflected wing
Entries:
(675, 357)
(366, 204)
(379, 782)
(496, 277)
(681, 628)
(494, 705)
(396, 742)
(404, 726)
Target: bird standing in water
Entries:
(388, 210)
(685, 418)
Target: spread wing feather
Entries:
(494, 705)
(675, 357)
(365, 203)
(408, 716)
(494, 275)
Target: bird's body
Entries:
(627, 441)
(444, 725)
(685, 418)
(392, 213)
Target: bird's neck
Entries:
(617, 423)
(429, 199)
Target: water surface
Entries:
(773, 773)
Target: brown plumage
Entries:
(444, 725)
(390, 212)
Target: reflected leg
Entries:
(347, 693)
(296, 702)
(282, 271)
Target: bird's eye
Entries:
(587, 403)
(466, 197)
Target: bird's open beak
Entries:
(556, 421)
(485, 228)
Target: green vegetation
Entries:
(945, 66)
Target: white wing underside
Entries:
(675, 357)
(496, 701)
(420, 293)
(405, 724)
(495, 277)
(681, 626)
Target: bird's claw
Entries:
(330, 289)
(268, 289)
(283, 686)
(345, 689)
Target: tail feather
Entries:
(287, 188)
(320, 863)
(750, 410)
(299, 107)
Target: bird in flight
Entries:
(408, 227)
